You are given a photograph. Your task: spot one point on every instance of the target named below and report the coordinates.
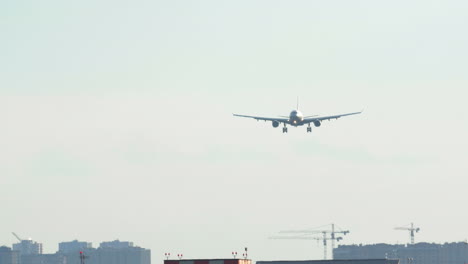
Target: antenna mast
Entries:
(82, 257)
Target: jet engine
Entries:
(317, 123)
(275, 123)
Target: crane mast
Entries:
(412, 230)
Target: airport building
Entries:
(208, 261)
(420, 253)
(8, 256)
(248, 261)
(334, 261)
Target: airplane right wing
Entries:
(278, 119)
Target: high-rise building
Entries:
(129, 255)
(44, 259)
(28, 247)
(116, 244)
(112, 253)
(8, 256)
(74, 246)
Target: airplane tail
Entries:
(297, 105)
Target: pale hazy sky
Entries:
(117, 122)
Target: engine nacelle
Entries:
(317, 123)
(275, 123)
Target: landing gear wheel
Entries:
(309, 130)
(285, 130)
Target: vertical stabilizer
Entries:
(297, 105)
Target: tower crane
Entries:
(17, 237)
(412, 230)
(305, 234)
(333, 238)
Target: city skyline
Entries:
(70, 251)
(312, 234)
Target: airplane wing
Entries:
(321, 118)
(279, 119)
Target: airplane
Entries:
(296, 118)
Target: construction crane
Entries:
(412, 230)
(17, 237)
(305, 234)
(333, 238)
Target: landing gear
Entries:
(309, 129)
(285, 129)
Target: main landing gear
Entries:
(309, 129)
(285, 129)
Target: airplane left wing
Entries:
(278, 119)
(321, 118)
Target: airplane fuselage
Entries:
(296, 118)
